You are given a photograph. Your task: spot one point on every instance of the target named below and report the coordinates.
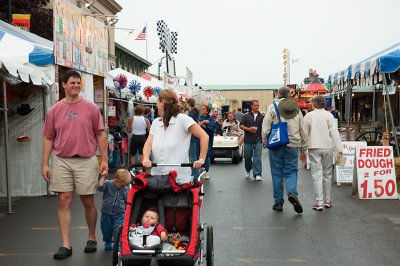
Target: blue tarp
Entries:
(390, 62)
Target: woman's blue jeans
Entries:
(284, 166)
(193, 157)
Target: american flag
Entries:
(142, 35)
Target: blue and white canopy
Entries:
(25, 56)
(387, 61)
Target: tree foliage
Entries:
(41, 15)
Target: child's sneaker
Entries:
(108, 246)
(247, 175)
(317, 207)
(328, 204)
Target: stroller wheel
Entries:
(117, 242)
(210, 246)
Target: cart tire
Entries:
(235, 156)
(117, 241)
(210, 246)
(373, 138)
(212, 159)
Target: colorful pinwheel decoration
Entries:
(157, 91)
(148, 92)
(120, 82)
(134, 86)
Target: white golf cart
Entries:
(227, 147)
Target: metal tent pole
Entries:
(5, 112)
(394, 131)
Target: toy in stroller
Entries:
(190, 242)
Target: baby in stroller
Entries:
(149, 232)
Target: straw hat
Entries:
(288, 108)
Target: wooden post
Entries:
(347, 134)
(355, 131)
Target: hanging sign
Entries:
(344, 172)
(375, 173)
(22, 21)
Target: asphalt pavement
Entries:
(246, 230)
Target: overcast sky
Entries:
(236, 42)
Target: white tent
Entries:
(25, 59)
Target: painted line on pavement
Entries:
(57, 228)
(260, 228)
(394, 220)
(24, 254)
(271, 260)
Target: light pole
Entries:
(292, 61)
(185, 85)
(159, 68)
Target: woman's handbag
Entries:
(278, 136)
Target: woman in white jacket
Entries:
(323, 137)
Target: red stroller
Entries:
(179, 211)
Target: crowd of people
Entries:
(74, 128)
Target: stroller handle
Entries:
(164, 164)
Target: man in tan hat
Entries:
(284, 160)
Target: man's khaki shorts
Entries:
(74, 174)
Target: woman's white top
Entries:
(139, 125)
(171, 146)
(322, 131)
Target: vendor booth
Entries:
(27, 74)
(368, 92)
(124, 91)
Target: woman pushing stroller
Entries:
(169, 139)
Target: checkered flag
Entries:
(174, 42)
(164, 35)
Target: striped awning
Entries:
(25, 56)
(386, 61)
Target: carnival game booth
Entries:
(379, 76)
(26, 74)
(314, 88)
(124, 91)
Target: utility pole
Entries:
(9, 11)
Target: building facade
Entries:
(129, 61)
(240, 96)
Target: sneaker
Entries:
(317, 207)
(62, 253)
(108, 246)
(277, 207)
(247, 175)
(91, 246)
(296, 203)
(257, 178)
(328, 204)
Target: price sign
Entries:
(375, 173)
(345, 173)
